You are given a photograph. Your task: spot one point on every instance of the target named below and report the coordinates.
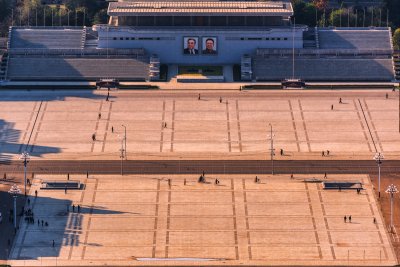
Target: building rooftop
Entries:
(210, 8)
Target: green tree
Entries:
(100, 17)
(393, 6)
(305, 13)
(396, 39)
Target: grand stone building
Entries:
(256, 38)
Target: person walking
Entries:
(331, 107)
(216, 182)
(325, 176)
(35, 193)
(387, 96)
(53, 243)
(220, 100)
(73, 208)
(199, 97)
(65, 190)
(291, 176)
(345, 218)
(112, 129)
(350, 218)
(340, 100)
(99, 116)
(94, 137)
(79, 208)
(281, 152)
(184, 181)
(323, 153)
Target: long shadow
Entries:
(10, 137)
(53, 220)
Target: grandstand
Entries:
(340, 54)
(354, 38)
(77, 65)
(143, 35)
(46, 37)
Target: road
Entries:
(198, 166)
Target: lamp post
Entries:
(379, 157)
(25, 157)
(392, 189)
(272, 149)
(14, 191)
(124, 139)
(122, 153)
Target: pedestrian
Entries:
(325, 176)
(65, 190)
(184, 181)
(220, 100)
(216, 181)
(165, 125)
(323, 153)
(374, 220)
(331, 107)
(291, 176)
(340, 100)
(99, 116)
(94, 137)
(28, 181)
(112, 129)
(35, 193)
(79, 208)
(350, 218)
(327, 152)
(340, 188)
(281, 152)
(107, 98)
(46, 224)
(67, 176)
(5, 176)
(387, 96)
(169, 182)
(257, 180)
(204, 174)
(87, 174)
(199, 97)
(73, 208)
(345, 218)
(38, 222)
(42, 222)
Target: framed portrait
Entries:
(191, 45)
(209, 46)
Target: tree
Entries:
(321, 4)
(100, 17)
(305, 13)
(393, 6)
(396, 39)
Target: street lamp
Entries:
(15, 191)
(122, 153)
(25, 157)
(392, 189)
(124, 140)
(379, 157)
(272, 149)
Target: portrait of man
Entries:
(209, 45)
(191, 46)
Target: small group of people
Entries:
(73, 208)
(347, 218)
(325, 153)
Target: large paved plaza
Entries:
(277, 221)
(61, 124)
